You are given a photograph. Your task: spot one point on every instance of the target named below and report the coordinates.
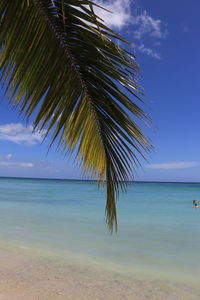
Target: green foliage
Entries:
(58, 57)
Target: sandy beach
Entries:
(24, 276)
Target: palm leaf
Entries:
(58, 59)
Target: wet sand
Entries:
(28, 276)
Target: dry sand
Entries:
(24, 276)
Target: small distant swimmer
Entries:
(195, 203)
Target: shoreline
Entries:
(31, 275)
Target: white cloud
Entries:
(124, 13)
(16, 164)
(19, 134)
(175, 165)
(147, 25)
(149, 51)
(119, 15)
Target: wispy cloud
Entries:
(175, 165)
(149, 51)
(6, 157)
(9, 156)
(19, 134)
(16, 164)
(121, 13)
(8, 161)
(143, 25)
(146, 25)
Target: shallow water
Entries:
(158, 235)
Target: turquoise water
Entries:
(158, 234)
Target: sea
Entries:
(158, 228)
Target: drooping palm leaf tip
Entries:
(59, 59)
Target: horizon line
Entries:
(93, 180)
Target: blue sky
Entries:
(167, 45)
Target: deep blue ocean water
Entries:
(158, 227)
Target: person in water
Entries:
(195, 203)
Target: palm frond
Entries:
(59, 59)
